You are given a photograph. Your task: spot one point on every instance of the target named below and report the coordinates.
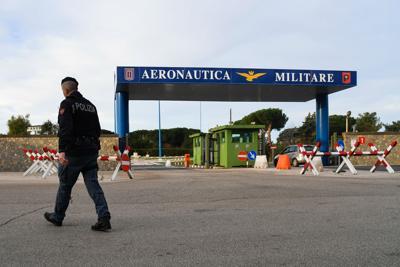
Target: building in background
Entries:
(34, 130)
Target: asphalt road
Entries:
(214, 217)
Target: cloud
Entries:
(43, 41)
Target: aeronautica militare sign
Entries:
(174, 75)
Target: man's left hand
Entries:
(62, 159)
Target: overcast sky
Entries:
(43, 41)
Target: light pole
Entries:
(348, 114)
(200, 116)
(159, 130)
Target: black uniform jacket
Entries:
(79, 126)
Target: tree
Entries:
(289, 136)
(104, 131)
(394, 127)
(18, 126)
(272, 118)
(337, 124)
(307, 130)
(306, 133)
(368, 122)
(48, 128)
(175, 141)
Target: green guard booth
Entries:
(227, 141)
(198, 148)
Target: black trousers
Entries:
(87, 165)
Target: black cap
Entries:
(69, 79)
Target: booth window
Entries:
(197, 142)
(222, 137)
(241, 137)
(216, 137)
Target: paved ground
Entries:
(237, 217)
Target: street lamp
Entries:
(200, 116)
(159, 131)
(348, 114)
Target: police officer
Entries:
(78, 151)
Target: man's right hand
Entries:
(62, 159)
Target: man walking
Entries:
(78, 151)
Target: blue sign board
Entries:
(229, 84)
(341, 143)
(252, 155)
(177, 75)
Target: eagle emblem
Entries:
(250, 76)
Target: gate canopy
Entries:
(228, 84)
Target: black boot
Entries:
(102, 224)
(49, 217)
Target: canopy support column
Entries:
(122, 118)
(322, 124)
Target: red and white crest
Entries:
(346, 77)
(129, 74)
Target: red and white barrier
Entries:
(124, 162)
(46, 163)
(381, 158)
(52, 161)
(346, 156)
(41, 162)
(309, 157)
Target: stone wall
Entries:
(380, 140)
(13, 159)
